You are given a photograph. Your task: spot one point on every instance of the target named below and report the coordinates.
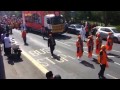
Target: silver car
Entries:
(74, 28)
(105, 30)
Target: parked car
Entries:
(105, 30)
(74, 29)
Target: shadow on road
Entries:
(87, 64)
(2, 69)
(62, 37)
(56, 57)
(110, 60)
(95, 60)
(56, 36)
(14, 59)
(26, 44)
(111, 54)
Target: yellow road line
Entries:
(38, 65)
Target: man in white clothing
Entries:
(7, 43)
(83, 32)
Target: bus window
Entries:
(57, 20)
(48, 20)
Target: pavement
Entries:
(37, 60)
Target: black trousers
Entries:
(52, 49)
(87, 34)
(8, 51)
(24, 39)
(102, 70)
(43, 34)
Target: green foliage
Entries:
(106, 17)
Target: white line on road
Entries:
(58, 51)
(116, 51)
(49, 60)
(111, 76)
(71, 57)
(38, 65)
(64, 59)
(63, 43)
(117, 63)
(111, 56)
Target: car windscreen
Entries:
(78, 26)
(115, 31)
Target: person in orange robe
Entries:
(98, 43)
(79, 45)
(90, 44)
(109, 43)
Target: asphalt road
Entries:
(65, 63)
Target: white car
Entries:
(105, 30)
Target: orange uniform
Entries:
(98, 43)
(90, 45)
(109, 43)
(102, 58)
(79, 45)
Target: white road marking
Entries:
(117, 63)
(62, 55)
(64, 59)
(71, 57)
(111, 76)
(59, 61)
(38, 65)
(34, 53)
(111, 56)
(49, 60)
(58, 51)
(41, 61)
(63, 43)
(116, 51)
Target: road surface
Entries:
(65, 63)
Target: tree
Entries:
(67, 15)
